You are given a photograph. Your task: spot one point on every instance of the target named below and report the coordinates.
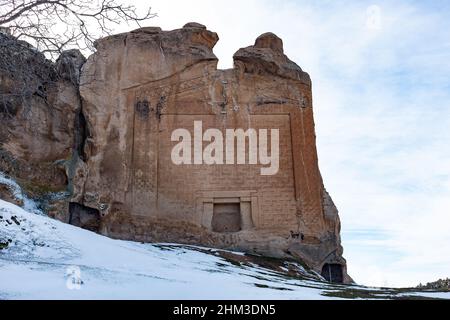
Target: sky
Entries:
(381, 90)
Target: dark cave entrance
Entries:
(84, 217)
(333, 273)
(226, 217)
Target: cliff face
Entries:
(39, 113)
(136, 90)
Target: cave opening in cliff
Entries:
(82, 134)
(84, 217)
(333, 273)
(226, 217)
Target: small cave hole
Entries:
(333, 273)
(84, 217)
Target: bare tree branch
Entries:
(55, 25)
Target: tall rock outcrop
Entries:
(40, 108)
(101, 131)
(141, 86)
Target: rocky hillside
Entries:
(41, 258)
(91, 141)
(40, 112)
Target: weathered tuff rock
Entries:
(40, 108)
(139, 87)
(101, 131)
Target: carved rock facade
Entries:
(141, 86)
(101, 131)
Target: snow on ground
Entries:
(41, 258)
(42, 251)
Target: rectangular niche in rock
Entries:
(84, 217)
(227, 211)
(226, 217)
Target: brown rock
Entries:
(269, 41)
(7, 194)
(112, 149)
(39, 112)
(194, 25)
(140, 86)
(266, 57)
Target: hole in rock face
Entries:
(84, 217)
(143, 109)
(333, 273)
(226, 217)
(82, 134)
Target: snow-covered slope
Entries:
(41, 258)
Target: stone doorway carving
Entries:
(227, 211)
(226, 217)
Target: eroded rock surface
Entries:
(39, 110)
(141, 86)
(100, 130)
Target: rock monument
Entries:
(139, 88)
